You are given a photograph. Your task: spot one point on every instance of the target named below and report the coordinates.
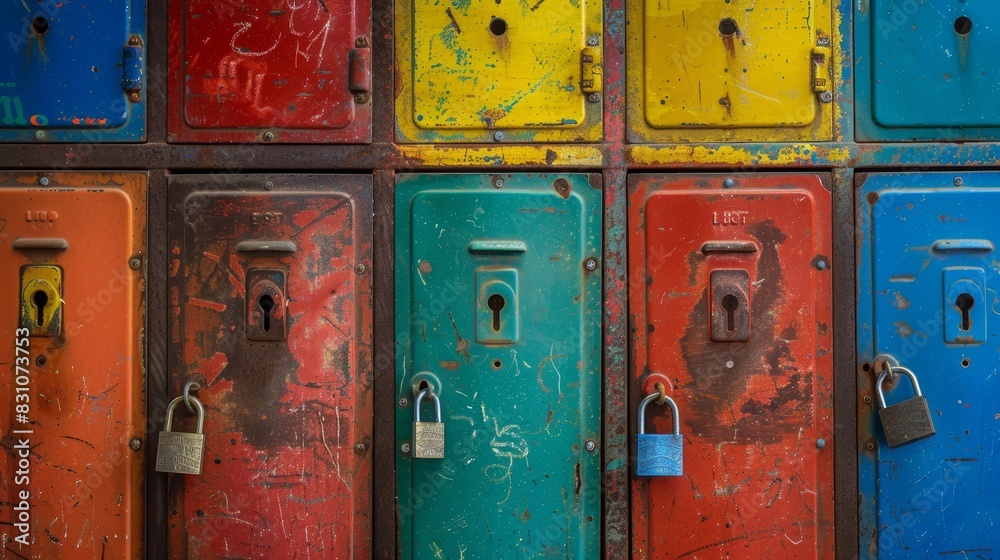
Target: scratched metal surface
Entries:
(517, 480)
(61, 77)
(284, 476)
(735, 71)
(85, 483)
(911, 52)
(938, 495)
(249, 71)
(755, 483)
(468, 69)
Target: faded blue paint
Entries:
(65, 83)
(516, 480)
(938, 494)
(918, 78)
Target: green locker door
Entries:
(498, 312)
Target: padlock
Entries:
(659, 454)
(180, 452)
(428, 437)
(908, 421)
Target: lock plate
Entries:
(730, 297)
(180, 453)
(496, 306)
(266, 306)
(659, 455)
(41, 299)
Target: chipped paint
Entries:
(776, 155)
(517, 155)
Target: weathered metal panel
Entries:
(910, 52)
(927, 240)
(287, 472)
(733, 71)
(73, 71)
(72, 247)
(756, 415)
(493, 71)
(252, 71)
(521, 473)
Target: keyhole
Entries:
(40, 299)
(964, 302)
(39, 25)
(496, 303)
(730, 303)
(266, 304)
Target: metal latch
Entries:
(821, 71)
(132, 68)
(360, 70)
(591, 70)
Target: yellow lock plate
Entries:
(486, 65)
(41, 299)
(735, 64)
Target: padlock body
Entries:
(659, 455)
(180, 453)
(428, 440)
(907, 422)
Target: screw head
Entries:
(498, 136)
(820, 443)
(41, 360)
(269, 185)
(868, 399)
(40, 134)
(361, 98)
(135, 444)
(590, 264)
(44, 181)
(135, 263)
(728, 184)
(403, 402)
(135, 97)
(869, 446)
(405, 447)
(593, 40)
(594, 97)
(360, 449)
(360, 268)
(958, 181)
(826, 96)
(498, 182)
(591, 445)
(268, 136)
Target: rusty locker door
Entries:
(72, 248)
(270, 299)
(731, 312)
(270, 71)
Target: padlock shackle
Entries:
(673, 410)
(197, 404)
(420, 397)
(895, 370)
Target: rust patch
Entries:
(461, 344)
(900, 302)
(425, 267)
(562, 187)
(725, 102)
(449, 365)
(872, 197)
(903, 328)
(491, 116)
(550, 157)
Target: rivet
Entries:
(269, 185)
(728, 183)
(869, 446)
(821, 264)
(405, 448)
(44, 181)
(403, 402)
(590, 264)
(134, 444)
(820, 443)
(593, 40)
(360, 449)
(135, 263)
(498, 182)
(268, 136)
(361, 98)
(868, 399)
(826, 96)
(594, 97)
(360, 268)
(498, 136)
(591, 445)
(40, 134)
(958, 181)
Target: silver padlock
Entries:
(659, 454)
(180, 452)
(428, 437)
(908, 421)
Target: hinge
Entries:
(821, 71)
(360, 70)
(591, 70)
(132, 68)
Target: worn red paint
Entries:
(755, 482)
(287, 469)
(278, 71)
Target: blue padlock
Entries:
(659, 454)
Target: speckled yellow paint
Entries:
(513, 155)
(794, 154)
